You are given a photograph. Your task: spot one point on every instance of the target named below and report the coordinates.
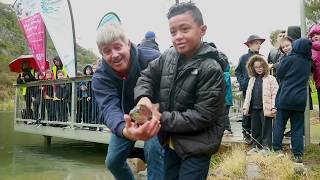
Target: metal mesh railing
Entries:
(58, 103)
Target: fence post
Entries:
(73, 103)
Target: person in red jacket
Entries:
(314, 35)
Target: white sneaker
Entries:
(227, 133)
(264, 152)
(253, 151)
(280, 153)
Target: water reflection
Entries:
(24, 156)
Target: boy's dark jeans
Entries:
(193, 167)
(227, 125)
(297, 128)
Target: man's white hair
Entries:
(108, 34)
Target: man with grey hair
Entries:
(275, 54)
(113, 85)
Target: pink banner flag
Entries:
(34, 31)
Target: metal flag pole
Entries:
(307, 110)
(74, 37)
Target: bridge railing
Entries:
(71, 103)
(58, 103)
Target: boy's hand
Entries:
(143, 132)
(273, 111)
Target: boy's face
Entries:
(56, 62)
(315, 37)
(41, 76)
(255, 46)
(186, 34)
(48, 74)
(60, 75)
(117, 55)
(280, 36)
(286, 46)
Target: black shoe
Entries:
(297, 159)
(92, 128)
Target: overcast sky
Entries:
(229, 22)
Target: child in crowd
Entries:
(291, 99)
(254, 44)
(285, 46)
(314, 35)
(260, 103)
(228, 101)
(188, 83)
(61, 98)
(85, 95)
(37, 99)
(48, 96)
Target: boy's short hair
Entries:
(184, 7)
(108, 34)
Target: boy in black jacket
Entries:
(188, 83)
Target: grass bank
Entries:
(231, 163)
(7, 105)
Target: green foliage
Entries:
(312, 11)
(13, 44)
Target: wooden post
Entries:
(47, 140)
(73, 103)
(17, 103)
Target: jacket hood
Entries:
(294, 32)
(209, 49)
(302, 47)
(315, 29)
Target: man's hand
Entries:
(270, 66)
(142, 132)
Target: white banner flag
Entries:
(26, 8)
(57, 18)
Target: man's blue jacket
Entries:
(115, 95)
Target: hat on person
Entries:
(315, 29)
(253, 38)
(150, 35)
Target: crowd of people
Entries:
(189, 91)
(52, 101)
(275, 89)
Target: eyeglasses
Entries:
(258, 67)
